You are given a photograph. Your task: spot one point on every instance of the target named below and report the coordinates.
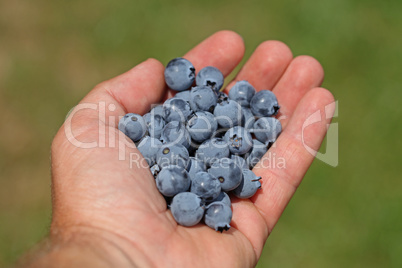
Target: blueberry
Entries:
(216, 130)
(155, 169)
(179, 74)
(227, 172)
(264, 103)
(257, 152)
(249, 118)
(239, 140)
(212, 150)
(147, 118)
(158, 110)
(172, 180)
(221, 96)
(202, 98)
(184, 95)
(228, 113)
(218, 216)
(242, 92)
(224, 198)
(195, 166)
(149, 147)
(175, 132)
(201, 126)
(133, 125)
(123, 121)
(248, 186)
(240, 162)
(267, 129)
(155, 124)
(205, 186)
(211, 77)
(187, 209)
(172, 155)
(176, 110)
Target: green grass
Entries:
(53, 52)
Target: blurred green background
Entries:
(53, 52)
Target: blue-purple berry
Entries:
(264, 103)
(172, 155)
(218, 216)
(228, 113)
(202, 98)
(227, 172)
(256, 153)
(248, 186)
(172, 180)
(205, 186)
(211, 77)
(212, 150)
(176, 109)
(187, 208)
(201, 126)
(149, 148)
(267, 129)
(179, 74)
(239, 140)
(242, 92)
(175, 132)
(133, 125)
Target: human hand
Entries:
(98, 200)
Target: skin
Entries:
(108, 214)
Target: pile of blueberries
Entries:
(201, 144)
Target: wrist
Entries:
(84, 247)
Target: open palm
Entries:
(97, 194)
